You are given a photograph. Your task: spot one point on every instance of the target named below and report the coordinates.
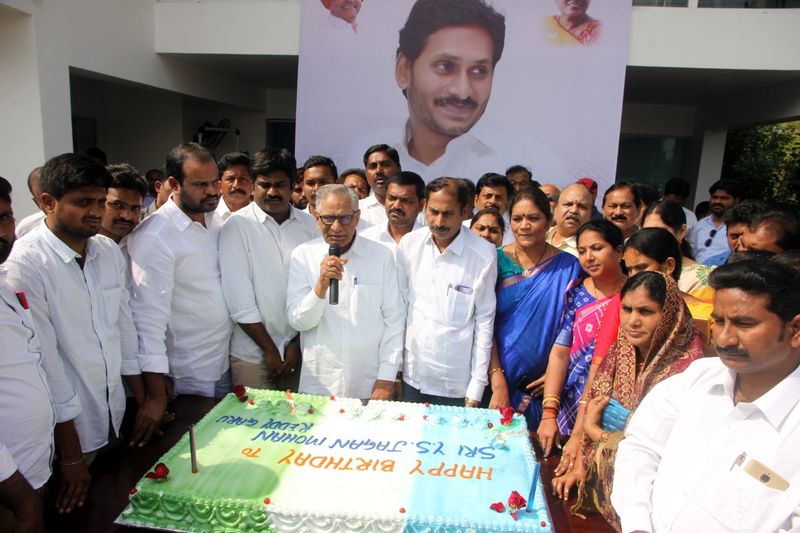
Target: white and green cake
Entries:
(317, 464)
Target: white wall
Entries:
(21, 136)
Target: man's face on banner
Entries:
(449, 84)
(346, 10)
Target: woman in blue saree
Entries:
(533, 278)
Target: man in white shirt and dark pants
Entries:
(353, 347)
(447, 275)
(178, 307)
(26, 411)
(75, 284)
(715, 448)
(255, 247)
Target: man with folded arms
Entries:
(715, 448)
(255, 246)
(447, 275)
(352, 348)
(75, 283)
(25, 448)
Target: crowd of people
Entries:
(632, 333)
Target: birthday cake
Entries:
(270, 461)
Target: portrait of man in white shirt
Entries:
(353, 347)
(255, 247)
(447, 275)
(180, 313)
(445, 63)
(66, 271)
(715, 448)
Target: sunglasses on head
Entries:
(710, 238)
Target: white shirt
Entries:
(482, 149)
(681, 466)
(691, 218)
(347, 347)
(381, 235)
(26, 412)
(372, 211)
(84, 326)
(701, 232)
(178, 307)
(569, 245)
(222, 210)
(254, 254)
(28, 223)
(451, 305)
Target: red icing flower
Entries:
(401, 417)
(239, 390)
(402, 509)
(332, 397)
(490, 425)
(133, 491)
(251, 402)
(341, 411)
(159, 472)
(543, 523)
(498, 506)
(508, 416)
(267, 501)
(424, 417)
(243, 399)
(516, 501)
(514, 515)
(311, 410)
(427, 404)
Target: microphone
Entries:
(333, 293)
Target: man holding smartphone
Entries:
(715, 448)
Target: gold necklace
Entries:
(525, 271)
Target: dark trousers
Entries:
(410, 394)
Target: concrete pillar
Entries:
(710, 161)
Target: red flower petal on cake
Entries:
(341, 411)
(424, 417)
(251, 402)
(133, 491)
(490, 425)
(427, 404)
(267, 501)
(499, 507)
(239, 390)
(514, 515)
(242, 399)
(543, 523)
(402, 509)
(159, 472)
(311, 410)
(332, 397)
(515, 500)
(402, 417)
(508, 412)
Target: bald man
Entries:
(573, 209)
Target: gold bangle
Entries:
(82, 459)
(492, 371)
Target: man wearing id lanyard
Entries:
(347, 307)
(447, 275)
(715, 448)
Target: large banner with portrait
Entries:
(464, 87)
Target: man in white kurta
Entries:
(447, 275)
(404, 194)
(180, 313)
(353, 348)
(255, 247)
(715, 448)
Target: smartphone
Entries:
(615, 416)
(523, 382)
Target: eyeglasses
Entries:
(344, 220)
(710, 238)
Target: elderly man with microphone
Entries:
(345, 301)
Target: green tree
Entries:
(766, 160)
